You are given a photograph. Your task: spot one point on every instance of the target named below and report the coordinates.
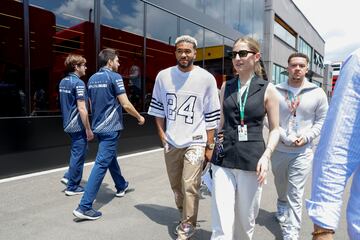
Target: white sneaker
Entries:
(280, 218)
(64, 180)
(177, 228)
(186, 230)
(280, 215)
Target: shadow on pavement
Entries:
(267, 219)
(161, 215)
(201, 234)
(169, 217)
(105, 194)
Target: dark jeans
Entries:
(77, 159)
(105, 159)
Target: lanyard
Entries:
(292, 101)
(241, 104)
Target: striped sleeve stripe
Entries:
(212, 119)
(155, 100)
(156, 107)
(156, 104)
(212, 114)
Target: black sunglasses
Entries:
(242, 53)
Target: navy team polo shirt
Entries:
(103, 88)
(71, 89)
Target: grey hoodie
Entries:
(310, 115)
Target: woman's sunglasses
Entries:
(242, 53)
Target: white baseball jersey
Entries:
(189, 102)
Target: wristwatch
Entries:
(210, 146)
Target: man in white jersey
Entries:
(186, 96)
(303, 107)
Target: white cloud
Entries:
(131, 20)
(336, 22)
(80, 9)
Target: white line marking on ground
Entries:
(64, 168)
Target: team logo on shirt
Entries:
(197, 137)
(80, 90)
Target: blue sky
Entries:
(338, 24)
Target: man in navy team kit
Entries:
(108, 97)
(73, 101)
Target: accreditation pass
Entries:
(242, 133)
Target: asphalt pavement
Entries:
(35, 207)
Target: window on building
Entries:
(198, 5)
(57, 28)
(214, 9)
(127, 15)
(228, 66)
(279, 74)
(214, 55)
(284, 32)
(247, 17)
(232, 16)
(167, 33)
(305, 48)
(14, 93)
(122, 29)
(160, 45)
(318, 60)
(317, 63)
(189, 28)
(258, 19)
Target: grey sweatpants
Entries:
(291, 171)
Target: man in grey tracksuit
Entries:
(303, 107)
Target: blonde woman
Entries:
(239, 177)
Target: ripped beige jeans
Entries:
(184, 167)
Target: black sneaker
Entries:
(77, 191)
(90, 214)
(121, 193)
